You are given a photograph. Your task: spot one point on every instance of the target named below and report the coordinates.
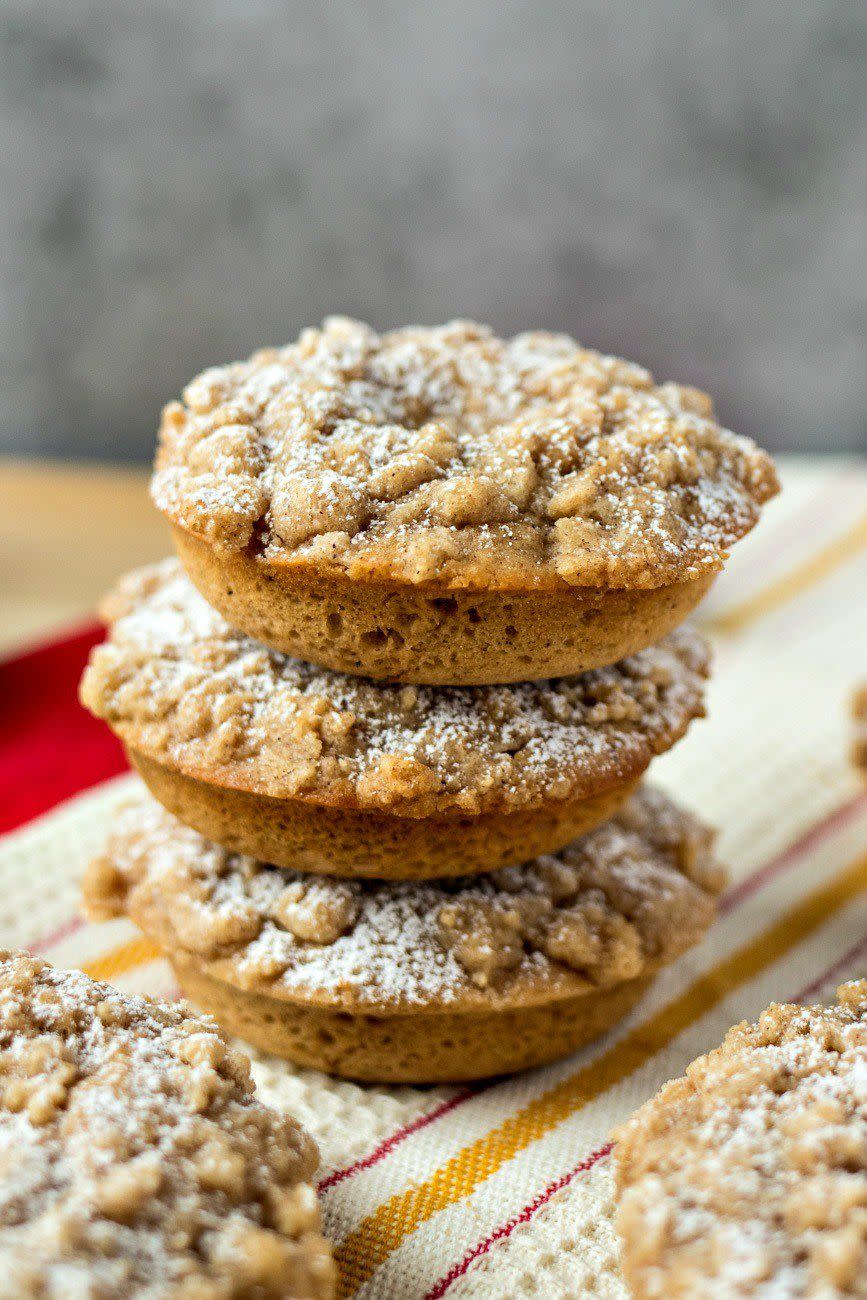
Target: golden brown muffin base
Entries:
(410, 1047)
(433, 636)
(304, 836)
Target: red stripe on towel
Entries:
(50, 747)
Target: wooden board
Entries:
(66, 533)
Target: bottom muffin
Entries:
(417, 982)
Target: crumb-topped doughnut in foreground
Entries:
(417, 982)
(748, 1177)
(134, 1159)
(318, 771)
(444, 506)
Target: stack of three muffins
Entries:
(426, 859)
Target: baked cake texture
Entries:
(414, 981)
(134, 1159)
(318, 771)
(440, 505)
(748, 1177)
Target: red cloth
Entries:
(50, 747)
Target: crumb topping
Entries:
(450, 456)
(134, 1158)
(175, 681)
(627, 897)
(748, 1177)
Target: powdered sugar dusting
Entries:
(448, 453)
(628, 896)
(134, 1158)
(749, 1176)
(176, 681)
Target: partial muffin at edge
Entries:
(134, 1158)
(748, 1177)
(319, 771)
(408, 981)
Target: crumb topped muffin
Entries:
(213, 718)
(328, 494)
(748, 1177)
(352, 970)
(134, 1158)
(374, 454)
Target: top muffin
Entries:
(450, 455)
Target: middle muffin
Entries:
(310, 769)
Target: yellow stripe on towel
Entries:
(806, 575)
(123, 959)
(370, 1244)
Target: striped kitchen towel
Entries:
(504, 1189)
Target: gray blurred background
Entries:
(682, 182)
